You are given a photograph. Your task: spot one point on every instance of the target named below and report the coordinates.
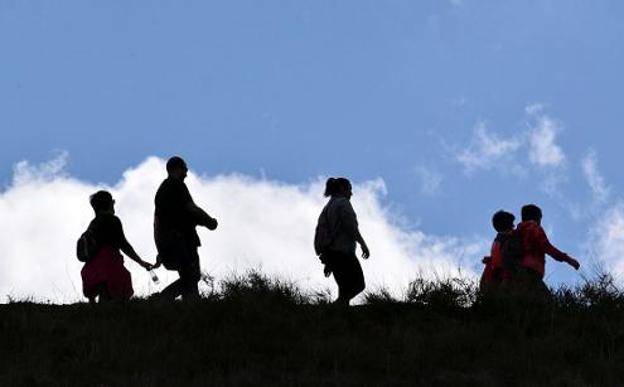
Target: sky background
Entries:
(459, 107)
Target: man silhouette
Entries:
(175, 221)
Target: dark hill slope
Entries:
(268, 334)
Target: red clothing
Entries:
(535, 246)
(107, 268)
(493, 265)
(495, 253)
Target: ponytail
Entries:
(336, 185)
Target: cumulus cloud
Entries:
(265, 225)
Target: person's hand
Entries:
(574, 263)
(147, 266)
(365, 252)
(212, 224)
(327, 271)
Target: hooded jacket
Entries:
(535, 246)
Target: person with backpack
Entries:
(335, 239)
(104, 276)
(504, 257)
(535, 246)
(175, 220)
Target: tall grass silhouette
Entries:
(252, 329)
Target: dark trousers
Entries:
(347, 273)
(530, 284)
(187, 266)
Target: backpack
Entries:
(87, 246)
(323, 237)
(511, 250)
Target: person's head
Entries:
(102, 201)
(338, 186)
(503, 221)
(176, 168)
(531, 212)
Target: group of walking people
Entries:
(517, 255)
(176, 218)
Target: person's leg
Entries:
(343, 269)
(355, 277)
(530, 286)
(176, 253)
(190, 275)
(172, 291)
(103, 293)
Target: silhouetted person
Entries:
(496, 270)
(104, 275)
(335, 240)
(535, 246)
(175, 221)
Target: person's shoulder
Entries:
(529, 227)
(104, 220)
(112, 218)
(171, 185)
(341, 201)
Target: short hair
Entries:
(503, 221)
(101, 201)
(335, 185)
(531, 212)
(174, 163)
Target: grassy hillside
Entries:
(256, 331)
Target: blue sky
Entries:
(413, 92)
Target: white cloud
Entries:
(430, 180)
(263, 224)
(606, 240)
(530, 151)
(487, 150)
(544, 151)
(600, 190)
(535, 108)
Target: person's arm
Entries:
(126, 247)
(348, 219)
(554, 252)
(202, 218)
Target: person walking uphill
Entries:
(335, 240)
(535, 246)
(175, 221)
(104, 275)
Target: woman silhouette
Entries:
(104, 276)
(335, 240)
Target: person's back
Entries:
(171, 214)
(108, 231)
(338, 227)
